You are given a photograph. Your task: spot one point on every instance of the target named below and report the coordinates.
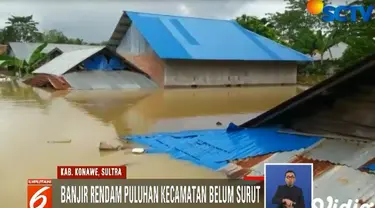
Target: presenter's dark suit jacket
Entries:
(293, 193)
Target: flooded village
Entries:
(172, 74)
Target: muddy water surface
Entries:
(32, 118)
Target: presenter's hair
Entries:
(290, 171)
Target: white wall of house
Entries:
(133, 43)
(206, 73)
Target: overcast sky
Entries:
(95, 20)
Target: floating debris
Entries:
(138, 150)
(103, 146)
(61, 141)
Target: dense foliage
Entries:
(24, 29)
(307, 33)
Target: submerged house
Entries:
(93, 68)
(189, 51)
(341, 111)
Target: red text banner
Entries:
(91, 172)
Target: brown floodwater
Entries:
(30, 119)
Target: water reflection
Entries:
(176, 109)
(19, 94)
(30, 118)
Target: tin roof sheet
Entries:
(207, 39)
(281, 157)
(213, 148)
(344, 183)
(24, 50)
(88, 80)
(342, 152)
(319, 167)
(66, 61)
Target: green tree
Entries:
(358, 49)
(359, 36)
(54, 36)
(76, 41)
(259, 26)
(24, 67)
(293, 22)
(21, 29)
(1, 36)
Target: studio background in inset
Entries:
(275, 176)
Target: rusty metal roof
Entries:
(339, 181)
(319, 167)
(342, 152)
(282, 157)
(350, 155)
(344, 183)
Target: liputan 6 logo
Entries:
(39, 193)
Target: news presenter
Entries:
(289, 195)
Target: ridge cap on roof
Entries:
(69, 44)
(179, 16)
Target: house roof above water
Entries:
(202, 39)
(66, 61)
(24, 50)
(57, 72)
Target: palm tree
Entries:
(24, 67)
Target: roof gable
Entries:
(176, 37)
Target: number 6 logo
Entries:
(37, 196)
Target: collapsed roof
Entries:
(93, 68)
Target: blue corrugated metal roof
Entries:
(214, 148)
(176, 37)
(371, 167)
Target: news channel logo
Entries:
(341, 13)
(39, 193)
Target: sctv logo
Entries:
(340, 13)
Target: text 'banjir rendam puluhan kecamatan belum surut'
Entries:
(160, 194)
